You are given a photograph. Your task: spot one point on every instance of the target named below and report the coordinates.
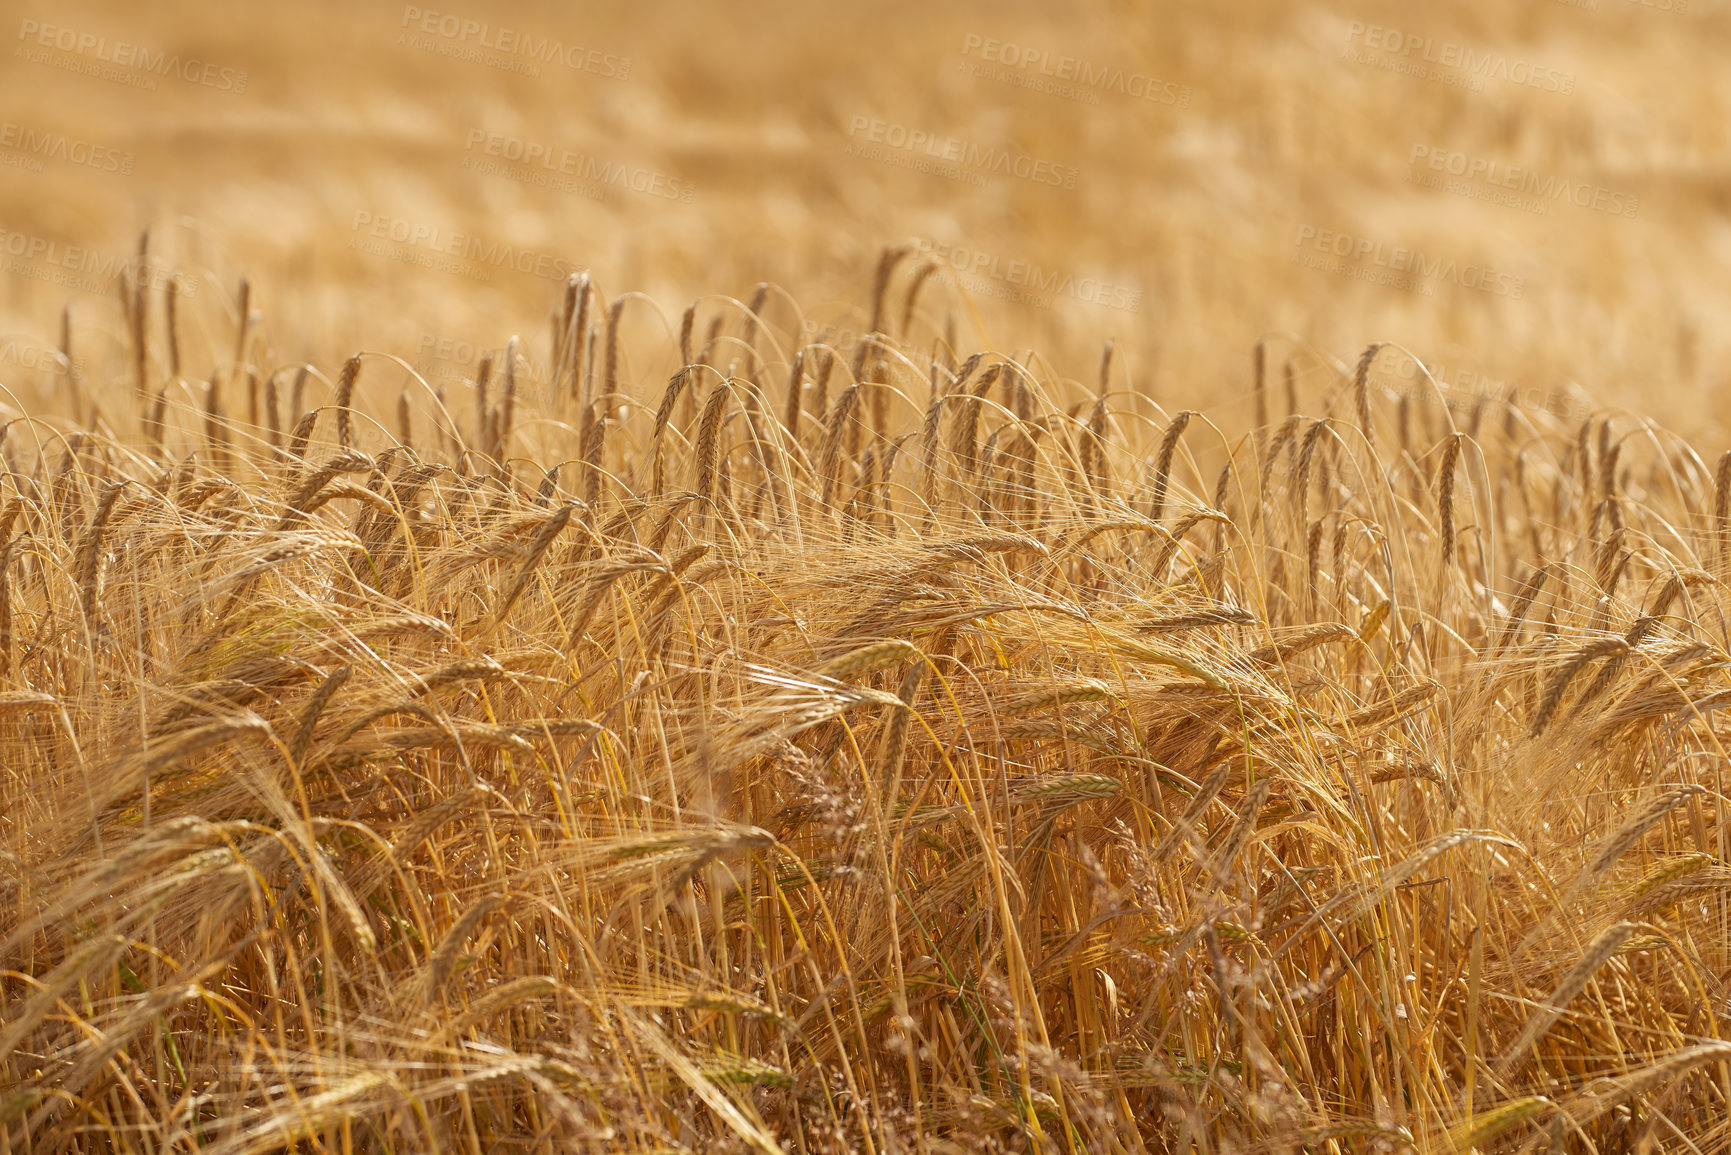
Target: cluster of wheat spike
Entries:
(881, 748)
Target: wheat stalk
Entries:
(1598, 952)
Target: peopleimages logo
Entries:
(122, 55)
(1362, 258)
(1463, 388)
(1462, 61)
(464, 38)
(1024, 282)
(82, 269)
(28, 354)
(1087, 77)
(456, 361)
(1498, 175)
(58, 146)
(430, 239)
(955, 150)
(581, 166)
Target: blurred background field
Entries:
(1214, 162)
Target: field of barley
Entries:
(834, 582)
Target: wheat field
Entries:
(824, 580)
(879, 746)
